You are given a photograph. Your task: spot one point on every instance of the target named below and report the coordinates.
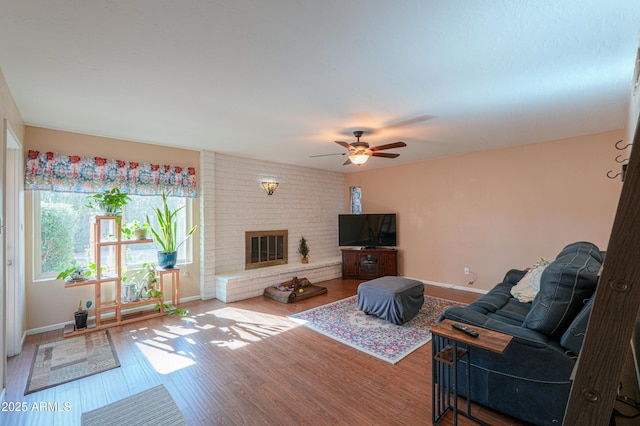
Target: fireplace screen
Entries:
(265, 248)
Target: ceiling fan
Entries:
(360, 152)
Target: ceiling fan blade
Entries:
(389, 146)
(326, 155)
(411, 121)
(344, 144)
(384, 154)
(346, 163)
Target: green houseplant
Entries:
(147, 278)
(166, 233)
(135, 230)
(303, 249)
(74, 274)
(111, 201)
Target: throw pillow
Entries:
(527, 288)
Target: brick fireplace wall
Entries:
(307, 202)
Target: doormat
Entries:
(151, 407)
(342, 321)
(71, 359)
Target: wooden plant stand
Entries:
(110, 310)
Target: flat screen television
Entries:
(367, 230)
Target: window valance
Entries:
(51, 171)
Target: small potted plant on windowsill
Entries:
(74, 274)
(110, 202)
(303, 249)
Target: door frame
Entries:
(14, 244)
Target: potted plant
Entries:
(147, 280)
(167, 233)
(81, 315)
(135, 230)
(74, 274)
(111, 201)
(77, 273)
(303, 249)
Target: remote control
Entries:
(464, 329)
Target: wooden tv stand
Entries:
(366, 264)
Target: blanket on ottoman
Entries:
(394, 299)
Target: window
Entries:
(62, 231)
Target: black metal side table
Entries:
(446, 355)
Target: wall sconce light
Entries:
(270, 187)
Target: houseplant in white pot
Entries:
(166, 233)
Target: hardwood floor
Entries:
(246, 363)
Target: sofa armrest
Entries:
(514, 276)
(520, 334)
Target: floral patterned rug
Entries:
(343, 322)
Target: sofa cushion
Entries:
(569, 280)
(499, 305)
(574, 335)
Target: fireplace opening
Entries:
(265, 248)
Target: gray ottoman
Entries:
(394, 299)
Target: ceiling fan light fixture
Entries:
(359, 158)
(360, 151)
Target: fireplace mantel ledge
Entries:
(239, 285)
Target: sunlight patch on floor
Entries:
(243, 327)
(162, 357)
(231, 328)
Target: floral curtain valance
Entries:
(51, 171)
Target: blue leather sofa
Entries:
(531, 379)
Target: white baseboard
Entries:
(452, 286)
(48, 328)
(64, 324)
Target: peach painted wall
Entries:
(48, 302)
(496, 210)
(9, 111)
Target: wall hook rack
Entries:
(622, 173)
(621, 148)
(620, 159)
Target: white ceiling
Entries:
(280, 80)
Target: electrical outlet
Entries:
(467, 271)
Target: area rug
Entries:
(343, 322)
(151, 407)
(71, 359)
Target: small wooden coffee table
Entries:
(444, 379)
